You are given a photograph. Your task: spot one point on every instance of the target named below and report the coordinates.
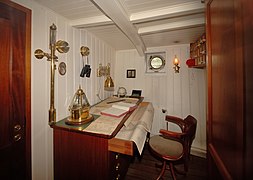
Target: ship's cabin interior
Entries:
(89, 85)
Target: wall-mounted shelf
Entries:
(201, 66)
(198, 52)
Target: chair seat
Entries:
(172, 149)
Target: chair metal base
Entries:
(171, 168)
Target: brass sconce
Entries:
(176, 64)
(61, 47)
(105, 71)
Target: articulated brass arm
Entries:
(61, 47)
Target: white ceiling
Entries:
(140, 24)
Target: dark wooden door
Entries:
(229, 31)
(15, 129)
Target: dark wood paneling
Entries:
(119, 164)
(15, 90)
(247, 6)
(80, 156)
(85, 155)
(226, 88)
(5, 96)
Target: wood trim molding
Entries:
(121, 146)
(28, 93)
(209, 71)
(222, 168)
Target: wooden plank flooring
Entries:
(143, 168)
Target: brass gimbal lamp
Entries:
(61, 47)
(79, 109)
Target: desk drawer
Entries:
(121, 146)
(119, 165)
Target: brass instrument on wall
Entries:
(86, 70)
(61, 47)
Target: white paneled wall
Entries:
(42, 143)
(100, 52)
(65, 86)
(179, 93)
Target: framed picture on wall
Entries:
(131, 73)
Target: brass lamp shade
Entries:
(109, 85)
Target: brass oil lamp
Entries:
(79, 109)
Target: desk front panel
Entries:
(80, 156)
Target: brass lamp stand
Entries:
(61, 47)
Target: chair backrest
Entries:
(190, 126)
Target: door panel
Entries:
(14, 92)
(5, 124)
(225, 89)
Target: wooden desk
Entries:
(82, 155)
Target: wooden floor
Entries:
(143, 168)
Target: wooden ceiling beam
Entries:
(172, 26)
(183, 9)
(91, 21)
(116, 12)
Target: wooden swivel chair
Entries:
(173, 147)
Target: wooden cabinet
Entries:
(198, 51)
(119, 164)
(84, 156)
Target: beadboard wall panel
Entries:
(179, 94)
(100, 52)
(65, 86)
(42, 137)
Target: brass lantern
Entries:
(79, 109)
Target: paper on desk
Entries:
(104, 125)
(139, 138)
(147, 118)
(138, 126)
(96, 109)
(135, 116)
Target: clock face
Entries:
(156, 62)
(62, 68)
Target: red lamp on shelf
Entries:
(190, 62)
